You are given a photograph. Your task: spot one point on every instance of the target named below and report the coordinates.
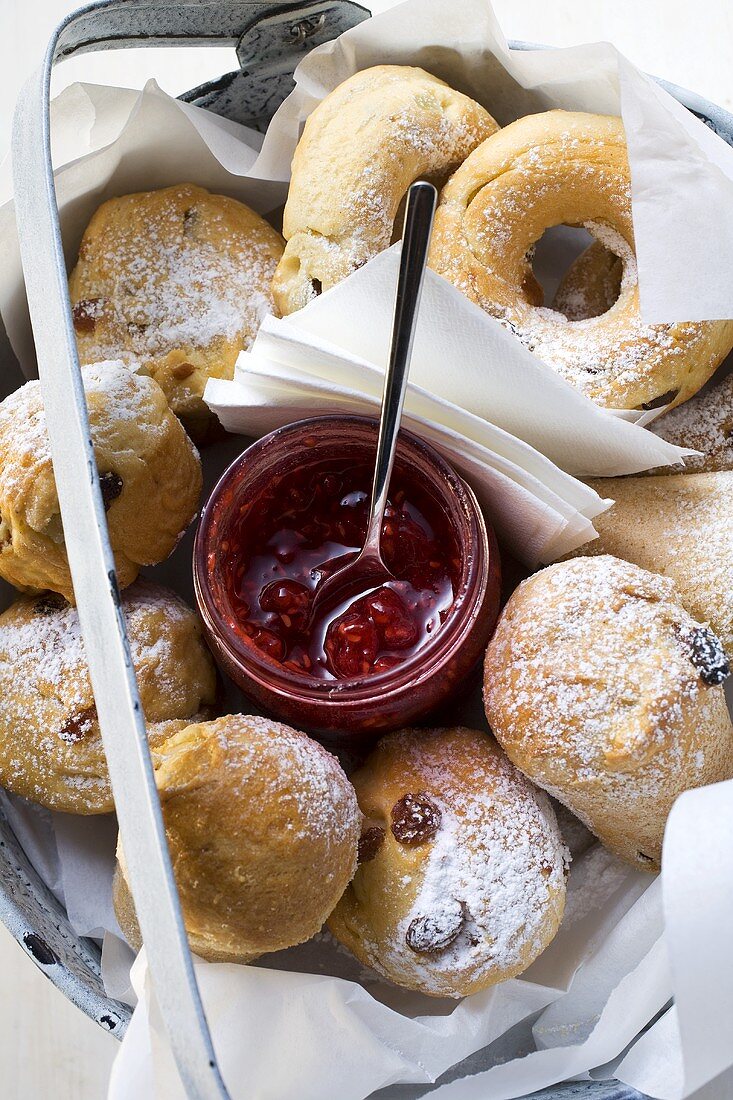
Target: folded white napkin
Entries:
(512, 427)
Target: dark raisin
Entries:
(317, 286)
(79, 725)
(85, 313)
(370, 841)
(429, 934)
(190, 217)
(707, 654)
(111, 485)
(49, 603)
(415, 819)
(644, 858)
(182, 371)
(657, 402)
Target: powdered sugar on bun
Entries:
(606, 692)
(474, 890)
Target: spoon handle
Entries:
(421, 202)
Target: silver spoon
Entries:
(368, 568)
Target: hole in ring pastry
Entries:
(361, 148)
(461, 879)
(553, 169)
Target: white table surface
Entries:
(47, 1047)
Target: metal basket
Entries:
(270, 39)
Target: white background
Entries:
(47, 1048)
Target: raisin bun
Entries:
(461, 879)
(605, 691)
(175, 281)
(50, 746)
(149, 471)
(263, 828)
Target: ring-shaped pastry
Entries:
(360, 150)
(564, 168)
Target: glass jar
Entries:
(349, 709)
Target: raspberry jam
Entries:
(293, 507)
(313, 520)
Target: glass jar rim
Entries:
(455, 496)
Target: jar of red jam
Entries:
(292, 508)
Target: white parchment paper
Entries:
(627, 942)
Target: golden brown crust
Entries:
(150, 474)
(262, 827)
(680, 525)
(465, 884)
(50, 745)
(566, 168)
(361, 148)
(595, 683)
(176, 282)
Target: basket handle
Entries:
(114, 24)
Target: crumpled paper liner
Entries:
(609, 971)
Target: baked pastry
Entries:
(705, 424)
(549, 169)
(362, 147)
(590, 285)
(149, 471)
(262, 827)
(605, 691)
(461, 875)
(680, 525)
(50, 746)
(174, 282)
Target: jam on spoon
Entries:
(314, 518)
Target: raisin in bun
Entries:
(605, 691)
(149, 471)
(176, 282)
(461, 876)
(50, 745)
(262, 827)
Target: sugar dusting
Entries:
(614, 704)
(23, 428)
(705, 424)
(170, 289)
(493, 869)
(308, 785)
(44, 678)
